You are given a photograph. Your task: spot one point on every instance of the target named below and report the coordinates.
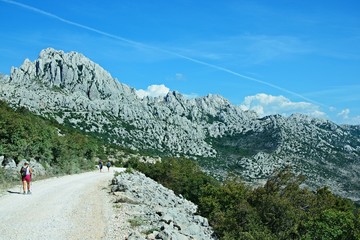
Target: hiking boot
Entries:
(24, 193)
(29, 192)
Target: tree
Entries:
(331, 224)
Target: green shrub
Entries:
(280, 209)
(24, 135)
(136, 221)
(183, 176)
(331, 224)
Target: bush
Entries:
(183, 176)
(24, 135)
(281, 209)
(331, 224)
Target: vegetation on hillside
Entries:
(60, 149)
(281, 209)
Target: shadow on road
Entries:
(13, 192)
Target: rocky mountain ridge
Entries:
(73, 90)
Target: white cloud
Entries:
(344, 113)
(153, 91)
(179, 76)
(332, 109)
(264, 104)
(345, 117)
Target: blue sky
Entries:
(281, 56)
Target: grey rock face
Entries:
(12, 169)
(9, 163)
(162, 213)
(38, 169)
(71, 71)
(73, 90)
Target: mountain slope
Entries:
(75, 91)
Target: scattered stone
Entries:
(135, 236)
(156, 216)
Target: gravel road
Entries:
(70, 207)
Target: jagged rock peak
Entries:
(174, 96)
(298, 118)
(4, 78)
(70, 71)
(215, 100)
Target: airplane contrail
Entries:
(141, 45)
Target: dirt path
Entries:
(69, 207)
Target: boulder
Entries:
(9, 163)
(38, 169)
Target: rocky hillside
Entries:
(150, 211)
(73, 90)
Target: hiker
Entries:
(108, 164)
(100, 165)
(26, 173)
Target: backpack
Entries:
(108, 164)
(23, 171)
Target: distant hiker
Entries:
(100, 165)
(26, 173)
(108, 164)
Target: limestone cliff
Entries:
(73, 90)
